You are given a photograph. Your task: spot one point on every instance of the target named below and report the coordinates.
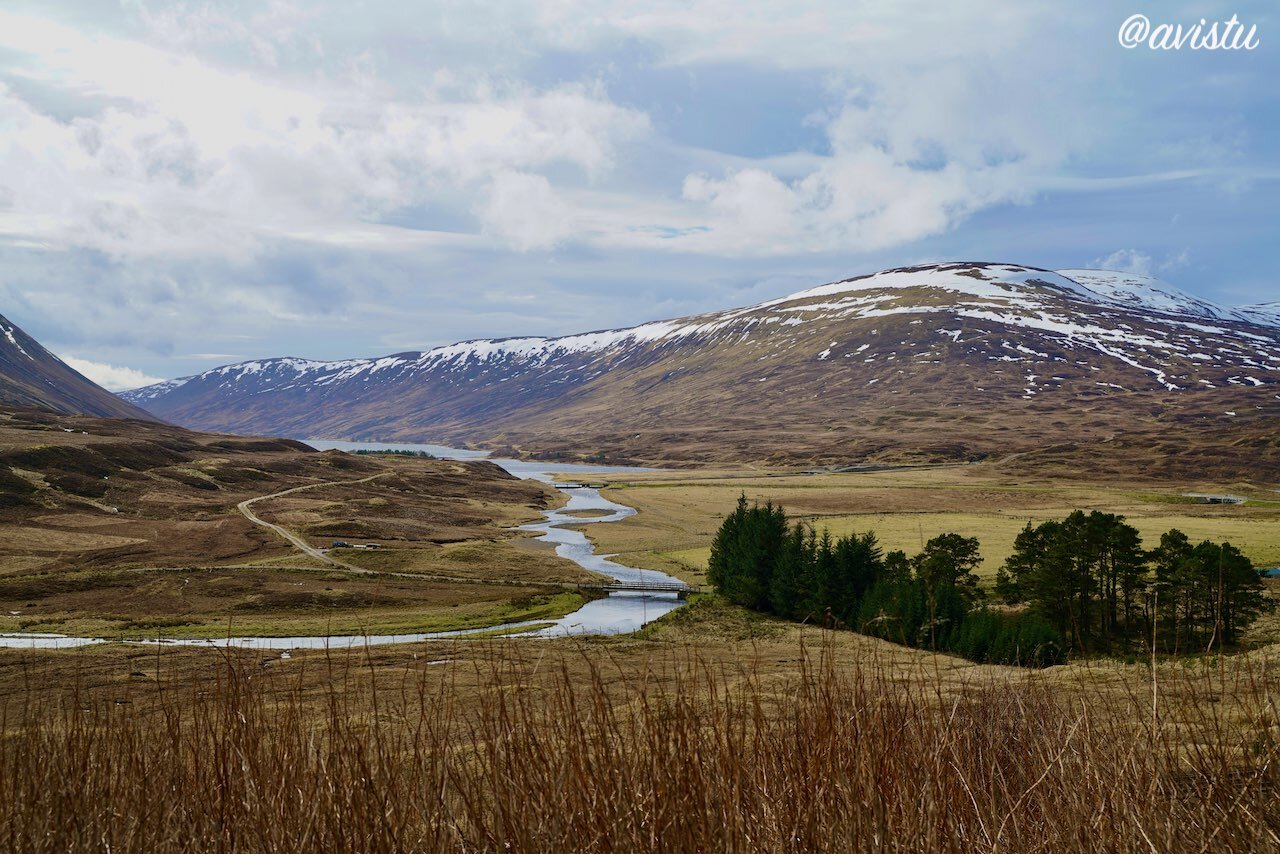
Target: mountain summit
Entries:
(32, 376)
(957, 361)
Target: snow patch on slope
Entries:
(1264, 314)
(985, 281)
(151, 392)
(8, 333)
(1144, 292)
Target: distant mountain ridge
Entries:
(829, 374)
(32, 376)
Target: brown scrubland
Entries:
(712, 731)
(131, 529)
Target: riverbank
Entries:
(379, 576)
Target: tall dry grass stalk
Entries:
(680, 756)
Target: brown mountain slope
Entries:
(32, 376)
(953, 362)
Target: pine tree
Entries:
(950, 560)
(785, 592)
(723, 565)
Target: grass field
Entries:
(275, 602)
(712, 729)
(679, 513)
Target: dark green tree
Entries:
(949, 560)
(1174, 590)
(786, 592)
(1229, 590)
(744, 552)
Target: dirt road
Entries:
(301, 544)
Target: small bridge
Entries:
(679, 588)
(1211, 498)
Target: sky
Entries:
(187, 184)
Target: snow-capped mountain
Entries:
(821, 372)
(1145, 293)
(1265, 314)
(32, 376)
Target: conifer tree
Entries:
(950, 560)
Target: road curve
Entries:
(301, 544)
(306, 548)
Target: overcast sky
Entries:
(188, 184)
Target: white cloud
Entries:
(752, 205)
(110, 377)
(908, 159)
(1142, 264)
(802, 35)
(1177, 261)
(193, 157)
(223, 127)
(1125, 261)
(525, 211)
(188, 159)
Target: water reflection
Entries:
(617, 613)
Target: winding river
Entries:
(617, 613)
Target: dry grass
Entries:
(547, 748)
(679, 513)
(276, 602)
(129, 529)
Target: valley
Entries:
(968, 398)
(668, 428)
(122, 529)
(450, 617)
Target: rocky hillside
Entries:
(958, 361)
(32, 376)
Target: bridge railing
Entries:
(643, 586)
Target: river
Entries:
(617, 613)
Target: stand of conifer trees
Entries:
(761, 561)
(1084, 583)
(1090, 578)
